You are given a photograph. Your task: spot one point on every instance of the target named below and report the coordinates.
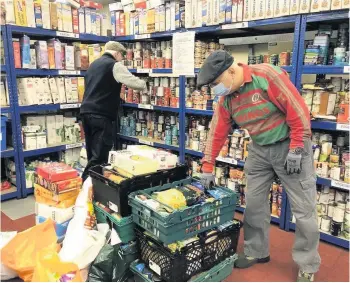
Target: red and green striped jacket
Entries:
(268, 105)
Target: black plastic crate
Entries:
(178, 266)
(112, 194)
(220, 243)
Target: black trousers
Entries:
(99, 139)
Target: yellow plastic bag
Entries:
(172, 197)
(49, 268)
(20, 253)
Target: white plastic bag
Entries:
(5, 272)
(81, 245)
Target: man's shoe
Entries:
(305, 277)
(247, 261)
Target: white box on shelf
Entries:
(269, 9)
(46, 90)
(68, 89)
(294, 7)
(228, 12)
(10, 12)
(216, 9)
(81, 15)
(247, 10)
(69, 52)
(54, 91)
(67, 18)
(30, 14)
(222, 11)
(315, 6)
(336, 4)
(193, 13)
(45, 13)
(188, 13)
(93, 21)
(30, 142)
(59, 124)
(59, 16)
(32, 59)
(39, 90)
(87, 20)
(61, 89)
(325, 5)
(51, 129)
(304, 7)
(345, 4)
(41, 140)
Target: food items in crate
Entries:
(108, 210)
(177, 246)
(132, 163)
(56, 171)
(172, 197)
(147, 273)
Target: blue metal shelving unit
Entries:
(19, 153)
(330, 16)
(152, 107)
(12, 114)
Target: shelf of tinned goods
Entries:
(339, 241)
(216, 29)
(9, 152)
(148, 141)
(151, 107)
(41, 32)
(48, 72)
(327, 16)
(51, 149)
(274, 219)
(48, 107)
(9, 194)
(3, 69)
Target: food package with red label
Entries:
(55, 172)
(59, 187)
(91, 4)
(42, 192)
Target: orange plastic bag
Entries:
(20, 253)
(49, 268)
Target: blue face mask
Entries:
(221, 90)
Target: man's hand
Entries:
(293, 161)
(207, 179)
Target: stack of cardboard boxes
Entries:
(172, 15)
(56, 187)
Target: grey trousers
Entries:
(262, 164)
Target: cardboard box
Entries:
(58, 187)
(222, 11)
(51, 129)
(59, 16)
(234, 11)
(53, 16)
(67, 18)
(59, 215)
(51, 55)
(75, 20)
(20, 12)
(27, 91)
(325, 5)
(315, 6)
(74, 86)
(228, 12)
(32, 58)
(68, 89)
(10, 12)
(88, 28)
(54, 91)
(240, 10)
(25, 52)
(188, 13)
(150, 21)
(247, 10)
(41, 191)
(39, 90)
(345, 4)
(93, 21)
(46, 90)
(60, 89)
(294, 7)
(216, 9)
(45, 9)
(81, 15)
(336, 4)
(69, 53)
(81, 88)
(113, 23)
(30, 14)
(17, 53)
(29, 141)
(98, 24)
(269, 8)
(104, 25)
(41, 140)
(59, 125)
(42, 60)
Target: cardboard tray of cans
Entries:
(124, 226)
(201, 254)
(110, 193)
(216, 274)
(184, 223)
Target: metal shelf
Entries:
(41, 32)
(48, 107)
(327, 16)
(333, 183)
(330, 126)
(288, 69)
(149, 142)
(8, 153)
(327, 237)
(199, 112)
(322, 69)
(5, 110)
(194, 153)
(239, 163)
(3, 69)
(151, 107)
(9, 194)
(47, 72)
(51, 149)
(151, 71)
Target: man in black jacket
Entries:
(103, 81)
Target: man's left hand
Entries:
(293, 162)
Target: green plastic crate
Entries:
(184, 223)
(216, 274)
(124, 227)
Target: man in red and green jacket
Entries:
(262, 99)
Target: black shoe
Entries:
(245, 262)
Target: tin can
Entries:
(331, 210)
(338, 214)
(325, 223)
(274, 59)
(335, 228)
